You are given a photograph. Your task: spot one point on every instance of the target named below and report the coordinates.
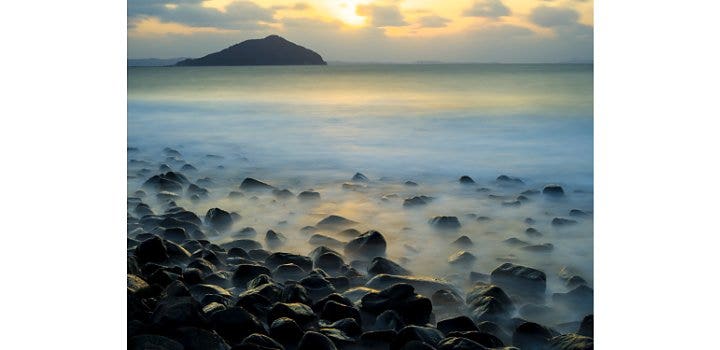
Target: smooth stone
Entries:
(308, 196)
(286, 331)
(246, 272)
(380, 265)
(570, 342)
(155, 342)
(412, 308)
(520, 279)
(530, 335)
(428, 335)
(563, 222)
(370, 244)
(553, 191)
(456, 324)
(300, 313)
(359, 177)
(236, 323)
(315, 341)
(463, 241)
(505, 180)
(218, 219)
(334, 221)
(462, 258)
(250, 184)
(279, 258)
(466, 180)
(445, 222)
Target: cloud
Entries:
(382, 16)
(550, 17)
(238, 14)
(433, 21)
(487, 8)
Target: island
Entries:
(272, 50)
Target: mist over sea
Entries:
(442, 120)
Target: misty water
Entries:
(301, 128)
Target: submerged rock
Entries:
(309, 196)
(250, 184)
(563, 222)
(370, 244)
(505, 180)
(521, 279)
(380, 265)
(445, 222)
(553, 191)
(466, 180)
(570, 342)
(359, 177)
(463, 241)
(401, 298)
(334, 221)
(462, 258)
(530, 335)
(218, 219)
(539, 248)
(416, 201)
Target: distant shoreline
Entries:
(335, 63)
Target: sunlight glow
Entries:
(345, 11)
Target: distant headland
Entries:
(272, 50)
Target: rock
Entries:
(194, 189)
(456, 343)
(334, 221)
(246, 272)
(553, 191)
(504, 180)
(286, 272)
(245, 232)
(300, 313)
(515, 242)
(333, 311)
(315, 341)
(250, 184)
(563, 222)
(445, 223)
(197, 338)
(531, 335)
(538, 313)
(199, 291)
(426, 335)
(463, 241)
(244, 244)
(175, 234)
(446, 299)
(539, 248)
(274, 239)
(369, 244)
(322, 240)
(413, 308)
(489, 302)
(286, 331)
(235, 194)
(172, 313)
(279, 258)
(352, 187)
(424, 285)
(579, 300)
(570, 342)
(358, 177)
(578, 213)
(317, 285)
(532, 232)
(587, 326)
(295, 293)
(163, 182)
(260, 341)
(521, 279)
(380, 265)
(462, 258)
(282, 194)
(155, 342)
(309, 196)
(151, 250)
(456, 324)
(235, 323)
(351, 233)
(575, 281)
(486, 340)
(411, 183)
(466, 180)
(326, 259)
(515, 203)
(417, 201)
(218, 219)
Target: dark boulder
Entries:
(462, 258)
(282, 194)
(286, 331)
(300, 313)
(235, 323)
(457, 343)
(280, 258)
(154, 342)
(411, 183)
(250, 184)
(428, 335)
(456, 324)
(563, 222)
(485, 339)
(274, 239)
(466, 180)
(359, 177)
(260, 342)
(193, 338)
(504, 180)
(318, 239)
(315, 341)
(151, 250)
(445, 223)
(463, 242)
(413, 308)
(578, 213)
(380, 265)
(579, 300)
(416, 201)
(532, 232)
(333, 311)
(317, 285)
(570, 342)
(531, 336)
(539, 248)
(489, 302)
(334, 221)
(177, 312)
(520, 279)
(218, 219)
(246, 272)
(286, 272)
(553, 191)
(309, 196)
(370, 244)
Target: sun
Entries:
(345, 10)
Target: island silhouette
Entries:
(272, 50)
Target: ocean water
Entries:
(313, 127)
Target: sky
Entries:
(507, 31)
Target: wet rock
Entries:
(193, 338)
(352, 187)
(334, 221)
(486, 340)
(279, 258)
(504, 180)
(456, 343)
(151, 250)
(515, 203)
(274, 239)
(218, 219)
(570, 342)
(417, 201)
(235, 323)
(532, 232)
(427, 335)
(553, 191)
(413, 308)
(369, 244)
(172, 313)
(463, 241)
(333, 311)
(351, 233)
(245, 232)
(148, 341)
(531, 335)
(194, 189)
(315, 341)
(380, 265)
(244, 244)
(246, 272)
(260, 341)
(317, 285)
(258, 254)
(578, 213)
(286, 331)
(175, 234)
(359, 177)
(489, 302)
(462, 258)
(286, 272)
(456, 324)
(563, 222)
(483, 219)
(326, 259)
(309, 196)
(515, 242)
(521, 279)
(466, 180)
(295, 293)
(250, 184)
(575, 281)
(135, 283)
(587, 326)
(424, 285)
(142, 209)
(579, 300)
(495, 330)
(411, 183)
(318, 239)
(163, 182)
(302, 314)
(445, 223)
(282, 194)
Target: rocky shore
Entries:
(204, 280)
